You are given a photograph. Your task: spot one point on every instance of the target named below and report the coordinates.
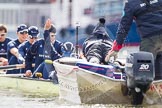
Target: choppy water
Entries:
(12, 99)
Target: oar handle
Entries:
(17, 66)
(3, 54)
(48, 61)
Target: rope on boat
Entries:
(67, 73)
(157, 91)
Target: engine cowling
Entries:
(139, 69)
(140, 73)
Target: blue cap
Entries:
(22, 28)
(33, 31)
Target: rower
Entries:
(3, 41)
(3, 44)
(33, 35)
(3, 61)
(12, 47)
(44, 49)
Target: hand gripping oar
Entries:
(10, 67)
(16, 66)
(2, 54)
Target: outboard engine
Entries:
(140, 73)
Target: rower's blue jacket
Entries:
(23, 49)
(55, 53)
(41, 53)
(3, 47)
(56, 46)
(11, 58)
(35, 50)
(147, 17)
(10, 45)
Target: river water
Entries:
(12, 99)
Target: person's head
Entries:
(67, 49)
(52, 31)
(22, 32)
(100, 29)
(3, 32)
(33, 34)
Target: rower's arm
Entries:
(12, 48)
(47, 27)
(14, 51)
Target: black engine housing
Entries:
(139, 69)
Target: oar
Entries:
(11, 75)
(2, 54)
(48, 61)
(8, 67)
(11, 67)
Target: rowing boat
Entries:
(78, 85)
(28, 86)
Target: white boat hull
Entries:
(82, 86)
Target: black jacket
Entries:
(146, 15)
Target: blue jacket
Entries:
(35, 50)
(54, 51)
(11, 58)
(3, 47)
(147, 18)
(42, 52)
(10, 45)
(23, 48)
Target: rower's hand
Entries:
(47, 25)
(28, 73)
(3, 61)
(21, 60)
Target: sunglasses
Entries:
(2, 34)
(25, 32)
(33, 37)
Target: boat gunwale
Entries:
(76, 67)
